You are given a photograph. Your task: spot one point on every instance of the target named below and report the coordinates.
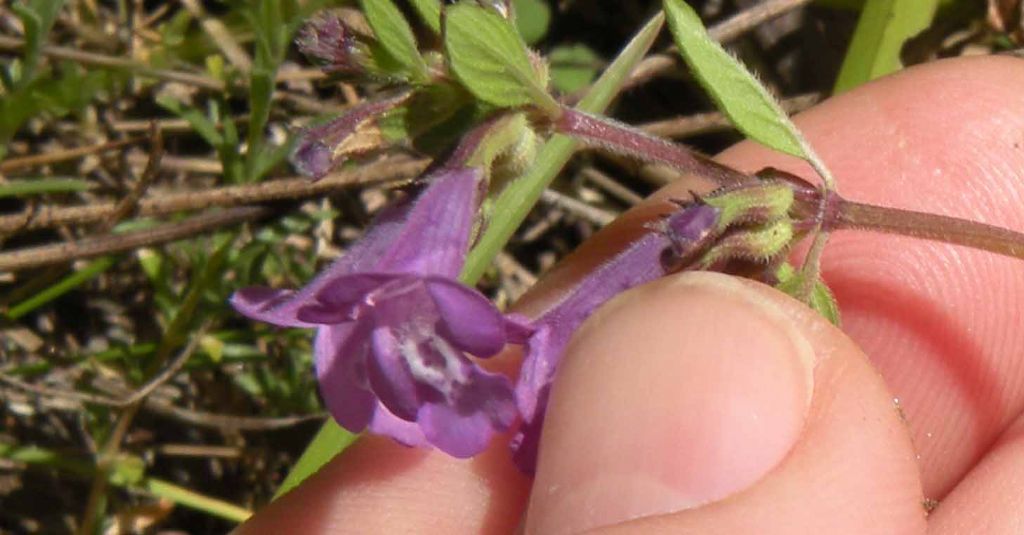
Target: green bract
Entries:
(489, 57)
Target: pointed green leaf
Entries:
(430, 12)
(489, 57)
(739, 95)
(395, 36)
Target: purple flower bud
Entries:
(322, 148)
(394, 327)
(326, 40)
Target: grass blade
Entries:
(883, 28)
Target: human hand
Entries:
(710, 404)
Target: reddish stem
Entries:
(846, 214)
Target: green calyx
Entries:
(761, 202)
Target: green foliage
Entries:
(750, 107)
(395, 36)
(573, 67)
(532, 19)
(883, 28)
(489, 57)
(65, 285)
(37, 17)
(430, 12)
(821, 300)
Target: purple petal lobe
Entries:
(483, 407)
(267, 305)
(340, 299)
(457, 435)
(338, 354)
(404, 432)
(388, 372)
(467, 319)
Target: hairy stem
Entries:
(616, 137)
(855, 215)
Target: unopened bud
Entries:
(759, 202)
(330, 42)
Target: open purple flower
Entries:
(394, 327)
(679, 236)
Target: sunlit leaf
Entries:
(489, 57)
(394, 35)
(430, 12)
(750, 107)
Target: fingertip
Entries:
(693, 414)
(673, 395)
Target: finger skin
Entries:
(990, 498)
(691, 375)
(933, 342)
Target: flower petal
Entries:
(435, 235)
(338, 352)
(406, 433)
(460, 436)
(281, 307)
(483, 406)
(389, 375)
(467, 319)
(265, 304)
(339, 299)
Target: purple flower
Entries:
(679, 237)
(394, 326)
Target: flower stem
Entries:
(855, 215)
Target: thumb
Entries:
(704, 403)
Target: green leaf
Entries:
(430, 12)
(395, 36)
(821, 300)
(65, 285)
(489, 57)
(202, 125)
(532, 19)
(573, 67)
(37, 18)
(735, 91)
(883, 28)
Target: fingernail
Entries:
(674, 395)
